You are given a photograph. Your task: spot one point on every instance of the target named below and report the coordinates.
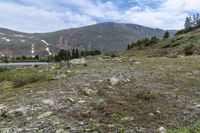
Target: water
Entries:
(23, 63)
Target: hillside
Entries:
(184, 44)
(107, 37)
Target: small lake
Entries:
(23, 63)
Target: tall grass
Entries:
(22, 77)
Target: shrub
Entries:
(189, 50)
(113, 55)
(145, 95)
(166, 46)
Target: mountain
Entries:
(107, 37)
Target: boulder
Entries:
(162, 130)
(77, 61)
(44, 115)
(120, 77)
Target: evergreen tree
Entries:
(5, 59)
(77, 53)
(188, 23)
(73, 53)
(166, 35)
(36, 57)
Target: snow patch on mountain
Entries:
(2, 33)
(47, 47)
(6, 39)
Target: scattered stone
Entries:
(48, 102)
(151, 114)
(60, 131)
(81, 101)
(198, 106)
(162, 130)
(158, 111)
(120, 77)
(189, 74)
(3, 109)
(60, 76)
(29, 118)
(71, 100)
(7, 130)
(18, 112)
(89, 92)
(127, 119)
(111, 125)
(117, 59)
(113, 81)
(77, 61)
(196, 72)
(137, 63)
(46, 114)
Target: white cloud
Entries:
(51, 15)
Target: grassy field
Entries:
(152, 92)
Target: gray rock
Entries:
(120, 77)
(3, 109)
(48, 102)
(18, 112)
(162, 130)
(44, 115)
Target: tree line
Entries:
(143, 42)
(66, 55)
(192, 22)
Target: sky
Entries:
(52, 15)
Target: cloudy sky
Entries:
(52, 15)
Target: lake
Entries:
(23, 63)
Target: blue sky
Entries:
(52, 15)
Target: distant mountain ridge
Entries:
(107, 37)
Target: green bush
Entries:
(189, 50)
(145, 95)
(22, 77)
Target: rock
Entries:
(198, 106)
(189, 74)
(162, 130)
(48, 102)
(3, 109)
(120, 77)
(18, 112)
(158, 111)
(117, 59)
(151, 114)
(71, 100)
(77, 61)
(113, 81)
(196, 73)
(111, 125)
(46, 114)
(60, 131)
(7, 130)
(60, 76)
(81, 101)
(137, 63)
(127, 119)
(89, 92)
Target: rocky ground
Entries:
(122, 94)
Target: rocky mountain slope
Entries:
(107, 37)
